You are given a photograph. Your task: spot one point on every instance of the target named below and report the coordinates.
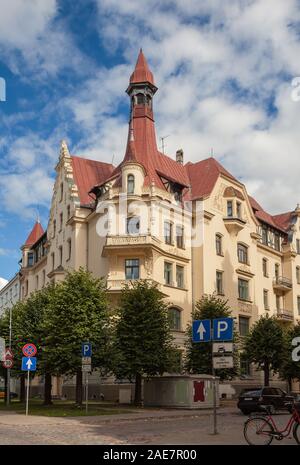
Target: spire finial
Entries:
(64, 151)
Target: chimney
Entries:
(179, 156)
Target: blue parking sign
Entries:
(86, 349)
(223, 329)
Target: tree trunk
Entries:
(267, 373)
(138, 390)
(79, 387)
(22, 388)
(47, 389)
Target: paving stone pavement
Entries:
(146, 427)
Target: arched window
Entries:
(140, 99)
(175, 318)
(130, 184)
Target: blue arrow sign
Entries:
(201, 331)
(86, 349)
(29, 363)
(223, 329)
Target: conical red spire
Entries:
(141, 72)
(36, 233)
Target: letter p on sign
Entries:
(86, 349)
(223, 329)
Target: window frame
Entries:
(243, 251)
(176, 317)
(132, 267)
(218, 281)
(130, 182)
(179, 237)
(168, 282)
(241, 288)
(219, 240)
(229, 207)
(168, 239)
(181, 267)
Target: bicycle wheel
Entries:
(258, 431)
(296, 433)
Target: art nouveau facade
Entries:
(191, 228)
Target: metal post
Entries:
(27, 392)
(8, 369)
(215, 428)
(86, 392)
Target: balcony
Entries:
(234, 224)
(127, 240)
(284, 315)
(117, 285)
(281, 283)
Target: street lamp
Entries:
(9, 345)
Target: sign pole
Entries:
(8, 370)
(215, 429)
(27, 393)
(86, 392)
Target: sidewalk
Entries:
(17, 419)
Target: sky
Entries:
(224, 69)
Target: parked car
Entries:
(13, 395)
(252, 400)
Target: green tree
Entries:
(78, 313)
(143, 342)
(28, 325)
(290, 369)
(199, 355)
(265, 346)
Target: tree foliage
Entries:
(265, 346)
(142, 339)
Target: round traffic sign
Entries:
(29, 350)
(8, 363)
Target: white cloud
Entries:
(219, 65)
(3, 281)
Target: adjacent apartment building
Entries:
(192, 228)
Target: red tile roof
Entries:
(36, 232)
(203, 176)
(88, 173)
(283, 220)
(263, 216)
(141, 72)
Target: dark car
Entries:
(253, 400)
(13, 395)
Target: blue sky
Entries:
(223, 68)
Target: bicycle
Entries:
(261, 429)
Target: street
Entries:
(161, 427)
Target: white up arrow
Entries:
(201, 330)
(29, 363)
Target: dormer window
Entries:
(130, 184)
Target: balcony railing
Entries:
(116, 285)
(282, 283)
(128, 240)
(284, 314)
